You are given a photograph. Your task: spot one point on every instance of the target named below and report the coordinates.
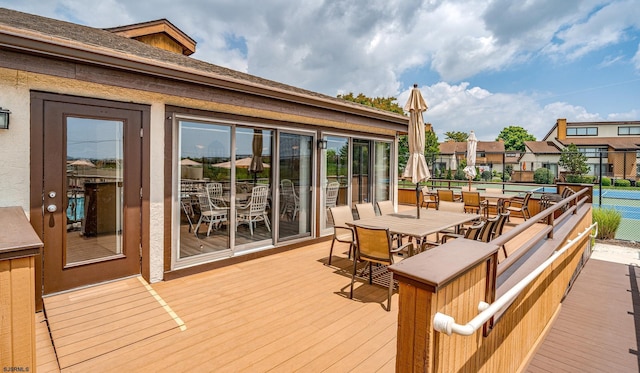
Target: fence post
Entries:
(600, 183)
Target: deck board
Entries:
(86, 339)
(596, 330)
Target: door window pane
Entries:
(296, 172)
(337, 176)
(360, 172)
(382, 167)
(94, 175)
(204, 188)
(253, 185)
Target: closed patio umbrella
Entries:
(256, 165)
(240, 163)
(470, 169)
(416, 169)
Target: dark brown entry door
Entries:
(92, 188)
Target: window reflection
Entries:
(337, 171)
(204, 188)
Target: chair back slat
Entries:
(365, 210)
(445, 195)
(259, 199)
(341, 215)
(332, 194)
(374, 244)
(487, 230)
(385, 207)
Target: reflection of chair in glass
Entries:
(341, 215)
(365, 210)
(385, 207)
(210, 213)
(215, 192)
(519, 205)
(429, 199)
(255, 210)
(332, 194)
(290, 200)
(374, 246)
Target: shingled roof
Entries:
(18, 29)
(452, 147)
(617, 143)
(542, 147)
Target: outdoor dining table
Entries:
(406, 224)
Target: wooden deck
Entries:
(291, 312)
(598, 328)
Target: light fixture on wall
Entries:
(322, 144)
(4, 118)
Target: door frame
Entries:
(36, 191)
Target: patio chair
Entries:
(493, 203)
(470, 233)
(486, 233)
(374, 246)
(210, 213)
(331, 196)
(429, 199)
(290, 200)
(498, 228)
(472, 202)
(255, 210)
(365, 210)
(519, 205)
(341, 215)
(385, 207)
(446, 195)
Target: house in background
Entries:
(618, 142)
(129, 157)
(490, 156)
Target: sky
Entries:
(480, 65)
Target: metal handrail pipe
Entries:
(446, 324)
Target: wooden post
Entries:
(19, 245)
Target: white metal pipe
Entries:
(446, 324)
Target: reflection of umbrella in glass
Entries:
(470, 170)
(189, 162)
(82, 163)
(240, 163)
(416, 168)
(256, 165)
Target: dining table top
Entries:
(431, 221)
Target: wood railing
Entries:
(456, 277)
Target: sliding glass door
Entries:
(295, 185)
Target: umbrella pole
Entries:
(418, 200)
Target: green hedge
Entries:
(606, 181)
(622, 183)
(608, 220)
(543, 176)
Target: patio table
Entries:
(406, 224)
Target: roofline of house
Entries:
(39, 44)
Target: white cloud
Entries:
(636, 59)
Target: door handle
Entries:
(52, 208)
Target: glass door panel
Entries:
(204, 188)
(382, 171)
(253, 186)
(296, 177)
(361, 192)
(95, 198)
(337, 176)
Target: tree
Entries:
(456, 136)
(573, 161)
(432, 147)
(383, 103)
(543, 176)
(514, 137)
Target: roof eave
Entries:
(65, 49)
